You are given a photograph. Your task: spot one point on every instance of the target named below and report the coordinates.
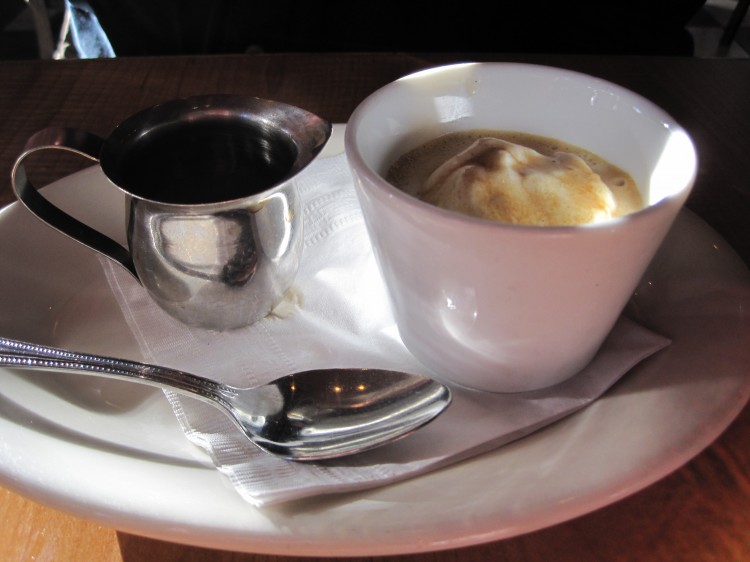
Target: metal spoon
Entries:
(306, 416)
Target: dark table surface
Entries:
(710, 97)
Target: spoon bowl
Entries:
(307, 416)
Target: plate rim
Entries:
(270, 537)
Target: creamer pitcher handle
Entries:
(81, 143)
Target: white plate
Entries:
(112, 452)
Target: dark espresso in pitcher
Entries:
(206, 160)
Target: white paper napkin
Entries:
(337, 315)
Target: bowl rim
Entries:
(376, 183)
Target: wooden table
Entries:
(700, 512)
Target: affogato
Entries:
(516, 178)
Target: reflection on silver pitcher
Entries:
(214, 226)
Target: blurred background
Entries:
(95, 28)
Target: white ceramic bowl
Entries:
(501, 307)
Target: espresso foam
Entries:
(471, 189)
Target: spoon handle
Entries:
(25, 355)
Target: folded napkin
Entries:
(337, 315)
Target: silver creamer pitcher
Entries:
(214, 226)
